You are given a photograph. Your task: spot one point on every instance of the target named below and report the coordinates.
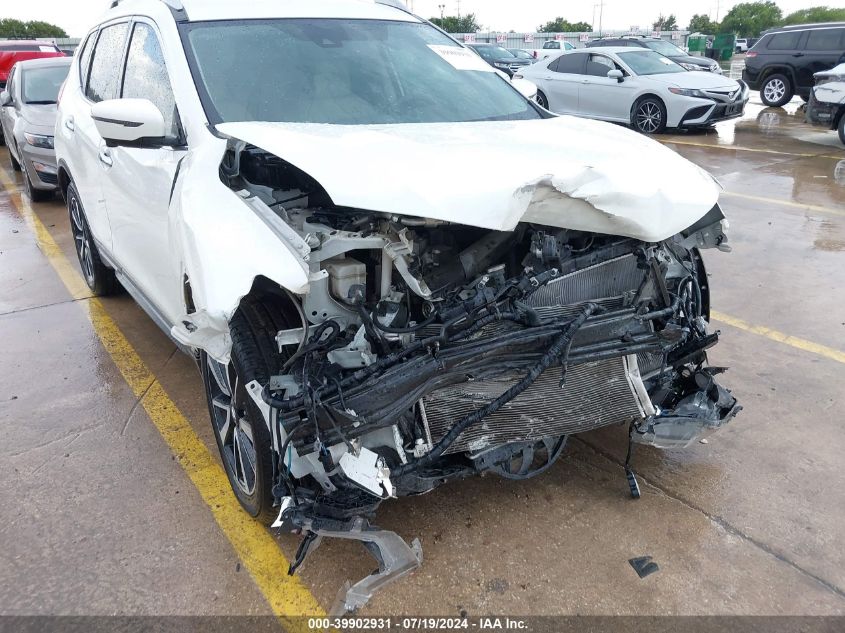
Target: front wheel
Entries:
(99, 277)
(649, 116)
(35, 195)
(542, 101)
(243, 439)
(842, 128)
(776, 91)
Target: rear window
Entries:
(571, 64)
(784, 41)
(825, 40)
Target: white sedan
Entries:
(635, 86)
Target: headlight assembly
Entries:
(688, 92)
(690, 66)
(39, 140)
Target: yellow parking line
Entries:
(785, 203)
(260, 554)
(780, 337)
(740, 148)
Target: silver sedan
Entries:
(28, 118)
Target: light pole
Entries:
(442, 8)
(600, 5)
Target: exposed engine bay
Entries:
(430, 351)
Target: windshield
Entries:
(349, 72)
(649, 63)
(665, 48)
(41, 85)
(494, 52)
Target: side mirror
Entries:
(526, 88)
(5, 99)
(128, 120)
(616, 74)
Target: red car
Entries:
(14, 51)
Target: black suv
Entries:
(667, 49)
(782, 62)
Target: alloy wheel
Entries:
(774, 90)
(541, 101)
(649, 117)
(82, 241)
(234, 430)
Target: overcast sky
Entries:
(75, 16)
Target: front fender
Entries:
(225, 245)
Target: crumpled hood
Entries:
(564, 172)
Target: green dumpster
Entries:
(697, 44)
(725, 44)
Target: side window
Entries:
(784, 41)
(146, 76)
(105, 67)
(85, 57)
(826, 40)
(572, 63)
(598, 65)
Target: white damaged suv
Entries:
(392, 268)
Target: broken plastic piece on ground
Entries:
(395, 558)
(644, 566)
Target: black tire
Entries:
(841, 128)
(542, 100)
(776, 90)
(99, 277)
(15, 164)
(649, 115)
(254, 356)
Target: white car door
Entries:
(561, 81)
(604, 97)
(138, 181)
(79, 133)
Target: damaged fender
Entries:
(226, 244)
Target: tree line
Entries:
(749, 19)
(11, 28)
(746, 19)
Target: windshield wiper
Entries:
(44, 102)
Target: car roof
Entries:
(604, 49)
(202, 10)
(45, 62)
(804, 27)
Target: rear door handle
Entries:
(798, 54)
(69, 124)
(105, 158)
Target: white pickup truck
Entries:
(550, 48)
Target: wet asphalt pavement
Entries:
(99, 518)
